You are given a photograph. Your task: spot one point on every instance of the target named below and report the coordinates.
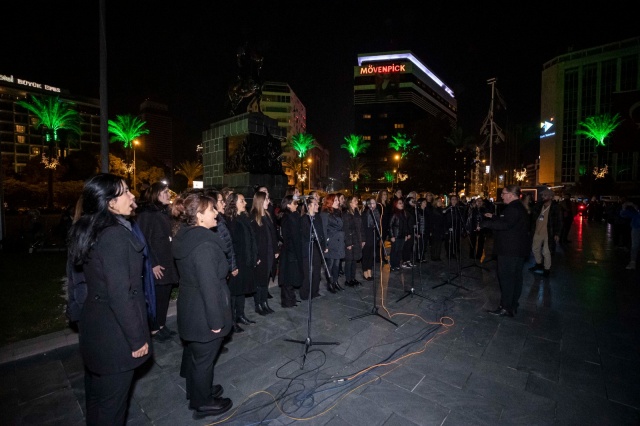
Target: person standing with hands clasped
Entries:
(114, 333)
(512, 246)
(546, 226)
(204, 309)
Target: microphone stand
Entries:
(374, 308)
(475, 247)
(313, 235)
(412, 291)
(452, 247)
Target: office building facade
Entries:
(396, 94)
(599, 81)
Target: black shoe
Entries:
(501, 313)
(369, 278)
(167, 331)
(331, 288)
(237, 329)
(260, 310)
(356, 283)
(337, 286)
(349, 283)
(269, 296)
(160, 336)
(266, 306)
(214, 407)
(243, 321)
(537, 267)
(250, 321)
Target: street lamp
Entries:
(135, 142)
(398, 170)
(309, 161)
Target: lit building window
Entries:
(398, 125)
(20, 128)
(366, 116)
(35, 150)
(20, 138)
(367, 138)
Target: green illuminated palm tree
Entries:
(191, 170)
(402, 145)
(389, 176)
(355, 145)
(52, 115)
(598, 127)
(301, 143)
(126, 129)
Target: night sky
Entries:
(184, 53)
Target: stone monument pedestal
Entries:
(244, 151)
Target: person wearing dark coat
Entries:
(476, 233)
(399, 233)
(290, 271)
(114, 332)
(245, 249)
(455, 221)
(371, 235)
(203, 308)
(353, 240)
(153, 218)
(385, 210)
(438, 229)
(268, 253)
(512, 245)
(408, 248)
(332, 225)
(313, 250)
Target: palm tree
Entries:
(301, 143)
(191, 170)
(126, 129)
(355, 145)
(52, 115)
(598, 127)
(403, 146)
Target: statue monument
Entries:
(244, 150)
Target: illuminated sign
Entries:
(10, 79)
(383, 69)
(547, 128)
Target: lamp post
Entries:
(135, 142)
(397, 157)
(309, 161)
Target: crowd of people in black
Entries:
(125, 259)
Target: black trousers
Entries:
(312, 290)
(199, 370)
(106, 397)
(509, 271)
(163, 297)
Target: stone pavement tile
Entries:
(160, 394)
(507, 344)
(455, 418)
(469, 404)
(355, 409)
(582, 375)
(625, 393)
(484, 369)
(474, 338)
(56, 408)
(40, 379)
(547, 325)
(405, 377)
(361, 342)
(518, 403)
(580, 408)
(615, 340)
(411, 405)
(541, 357)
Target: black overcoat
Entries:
(204, 300)
(510, 231)
(352, 225)
(290, 271)
(244, 246)
(267, 245)
(155, 224)
(333, 231)
(114, 316)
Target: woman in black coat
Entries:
(371, 235)
(114, 333)
(244, 247)
(267, 244)
(204, 312)
(290, 271)
(153, 218)
(333, 231)
(385, 210)
(398, 233)
(438, 229)
(353, 240)
(313, 250)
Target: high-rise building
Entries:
(279, 101)
(20, 140)
(396, 94)
(599, 81)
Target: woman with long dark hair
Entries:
(371, 231)
(244, 247)
(353, 240)
(384, 209)
(154, 219)
(333, 232)
(114, 332)
(204, 311)
(267, 252)
(398, 233)
(290, 271)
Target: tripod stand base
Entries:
(475, 265)
(412, 292)
(448, 281)
(307, 344)
(374, 311)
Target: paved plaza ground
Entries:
(571, 355)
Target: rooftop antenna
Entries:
(493, 128)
